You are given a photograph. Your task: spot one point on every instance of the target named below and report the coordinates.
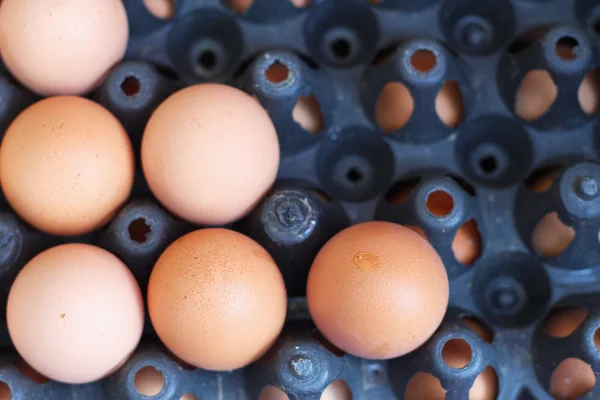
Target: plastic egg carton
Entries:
(343, 52)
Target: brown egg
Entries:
(210, 153)
(62, 47)
(572, 378)
(66, 165)
(377, 290)
(535, 95)
(551, 236)
(217, 299)
(75, 313)
(163, 9)
(467, 243)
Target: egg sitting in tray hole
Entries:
(66, 165)
(217, 299)
(62, 46)
(75, 313)
(210, 153)
(377, 290)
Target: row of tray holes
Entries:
(572, 378)
(395, 105)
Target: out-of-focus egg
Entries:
(551, 236)
(535, 95)
(75, 313)
(307, 113)
(217, 299)
(66, 165)
(426, 386)
(163, 9)
(377, 290)
(572, 378)
(62, 46)
(467, 243)
(210, 153)
(588, 93)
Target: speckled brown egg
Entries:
(217, 299)
(59, 47)
(210, 153)
(377, 290)
(75, 313)
(66, 165)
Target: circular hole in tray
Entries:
(163, 9)
(5, 393)
(139, 230)
(307, 113)
(400, 191)
(354, 175)
(341, 48)
(571, 379)
(485, 386)
(423, 61)
(597, 339)
(337, 390)
(440, 203)
(149, 381)
(478, 327)
(565, 48)
(424, 386)
(318, 336)
(535, 95)
(208, 60)
(457, 353)
(277, 72)
(466, 244)
(394, 107)
(131, 86)
(272, 393)
(562, 322)
(449, 105)
(188, 396)
(551, 236)
(488, 164)
(541, 179)
(588, 93)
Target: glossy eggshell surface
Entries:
(75, 313)
(66, 165)
(210, 153)
(377, 290)
(62, 46)
(217, 299)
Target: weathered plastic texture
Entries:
(343, 52)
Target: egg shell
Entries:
(377, 290)
(210, 153)
(66, 165)
(75, 313)
(217, 299)
(62, 46)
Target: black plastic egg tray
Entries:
(343, 52)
